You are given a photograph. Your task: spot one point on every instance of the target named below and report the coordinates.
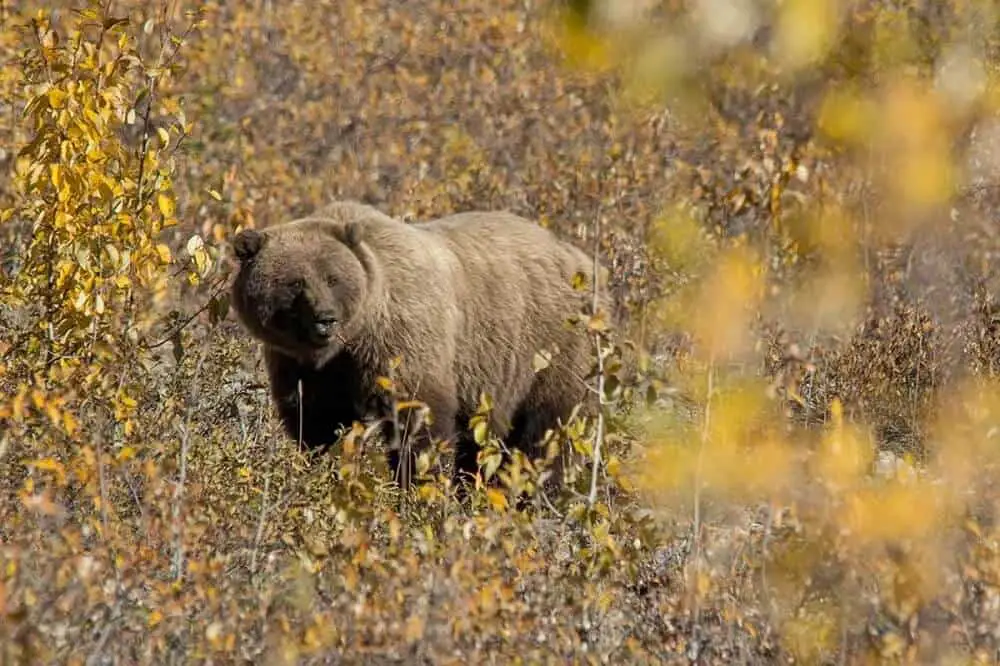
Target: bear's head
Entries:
(300, 287)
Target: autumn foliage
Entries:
(796, 456)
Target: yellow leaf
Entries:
(428, 492)
(213, 632)
(154, 618)
(164, 136)
(104, 192)
(496, 499)
(806, 29)
(164, 253)
(585, 48)
(541, 360)
(312, 638)
(165, 204)
(479, 432)
(92, 116)
(844, 115)
(414, 629)
(194, 244)
(127, 453)
(65, 192)
(614, 466)
(57, 98)
(597, 323)
(112, 255)
(200, 261)
(17, 406)
(350, 577)
(51, 465)
(70, 423)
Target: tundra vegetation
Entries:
(797, 446)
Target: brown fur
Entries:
(466, 301)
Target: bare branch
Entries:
(178, 499)
(599, 434)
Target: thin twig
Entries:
(261, 519)
(162, 63)
(102, 483)
(300, 391)
(102, 480)
(185, 429)
(696, 528)
(764, 555)
(110, 625)
(219, 288)
(599, 434)
(140, 182)
(400, 443)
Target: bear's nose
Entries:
(323, 327)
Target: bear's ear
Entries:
(247, 244)
(352, 234)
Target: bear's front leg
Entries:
(326, 404)
(443, 406)
(467, 451)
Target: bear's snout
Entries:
(322, 328)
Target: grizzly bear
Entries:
(465, 302)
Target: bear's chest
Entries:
(351, 379)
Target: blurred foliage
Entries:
(837, 155)
(795, 200)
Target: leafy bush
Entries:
(794, 455)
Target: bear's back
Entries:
(503, 246)
(516, 292)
